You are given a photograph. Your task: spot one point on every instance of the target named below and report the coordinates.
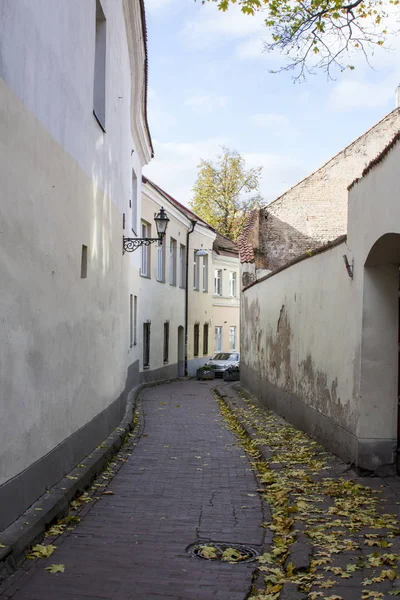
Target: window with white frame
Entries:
(218, 282)
(196, 273)
(182, 262)
(145, 250)
(205, 273)
(161, 260)
(172, 261)
(99, 85)
(217, 339)
(232, 338)
(232, 284)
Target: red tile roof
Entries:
(246, 251)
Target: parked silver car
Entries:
(222, 360)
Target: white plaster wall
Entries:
(374, 211)
(301, 331)
(64, 341)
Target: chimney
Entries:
(398, 96)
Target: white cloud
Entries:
(206, 104)
(280, 172)
(174, 167)
(212, 27)
(250, 49)
(274, 123)
(350, 94)
(160, 121)
(175, 164)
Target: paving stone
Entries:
(185, 480)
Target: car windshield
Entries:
(226, 356)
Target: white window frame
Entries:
(233, 284)
(161, 261)
(205, 273)
(218, 282)
(217, 338)
(232, 337)
(172, 261)
(145, 250)
(196, 273)
(182, 262)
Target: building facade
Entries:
(74, 139)
(226, 295)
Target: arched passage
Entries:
(379, 389)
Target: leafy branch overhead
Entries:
(321, 34)
(225, 191)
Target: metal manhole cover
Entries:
(223, 552)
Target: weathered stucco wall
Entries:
(322, 348)
(301, 354)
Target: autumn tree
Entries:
(225, 191)
(322, 34)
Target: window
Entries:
(172, 262)
(232, 338)
(218, 282)
(182, 263)
(205, 338)
(145, 260)
(161, 261)
(146, 344)
(134, 203)
(166, 341)
(84, 262)
(99, 87)
(196, 339)
(205, 273)
(134, 320)
(232, 283)
(195, 271)
(217, 339)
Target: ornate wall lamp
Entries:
(132, 244)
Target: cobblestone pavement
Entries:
(186, 480)
(336, 534)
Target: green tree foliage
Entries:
(225, 191)
(321, 34)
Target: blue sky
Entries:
(210, 85)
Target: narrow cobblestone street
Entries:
(323, 531)
(186, 481)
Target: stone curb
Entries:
(30, 527)
(301, 551)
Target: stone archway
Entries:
(377, 429)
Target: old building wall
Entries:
(301, 332)
(65, 360)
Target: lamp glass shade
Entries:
(161, 221)
(201, 252)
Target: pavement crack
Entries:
(211, 501)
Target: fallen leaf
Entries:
(55, 568)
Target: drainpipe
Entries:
(187, 292)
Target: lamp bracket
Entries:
(132, 244)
